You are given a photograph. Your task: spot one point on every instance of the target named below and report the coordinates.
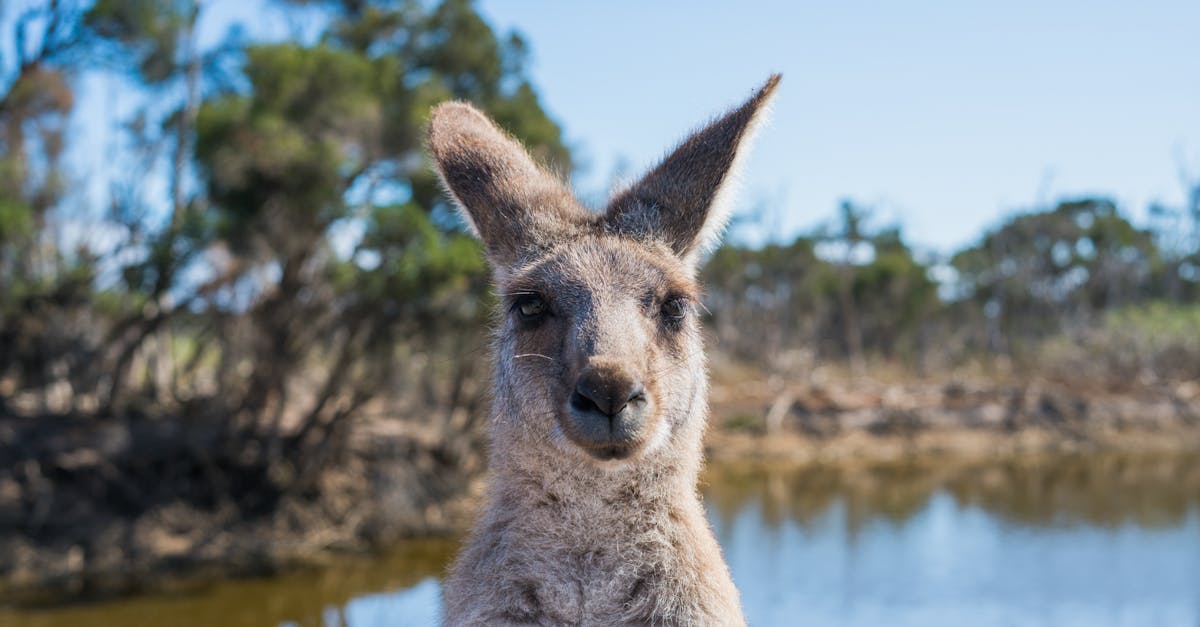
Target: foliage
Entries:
(303, 265)
(272, 262)
(842, 292)
(1151, 343)
(309, 266)
(851, 291)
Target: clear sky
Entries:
(944, 115)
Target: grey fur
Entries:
(566, 538)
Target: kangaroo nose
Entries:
(606, 391)
(608, 410)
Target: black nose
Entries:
(605, 392)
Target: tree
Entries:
(316, 265)
(849, 242)
(1039, 271)
(839, 293)
(156, 40)
(39, 284)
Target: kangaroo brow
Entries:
(541, 277)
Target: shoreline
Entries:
(878, 422)
(394, 486)
(947, 444)
(72, 527)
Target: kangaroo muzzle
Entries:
(608, 410)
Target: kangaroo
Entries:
(592, 515)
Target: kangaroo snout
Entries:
(607, 393)
(607, 409)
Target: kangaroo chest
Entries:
(585, 584)
(586, 589)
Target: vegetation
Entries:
(274, 259)
(1041, 278)
(300, 269)
(305, 261)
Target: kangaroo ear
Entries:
(512, 205)
(686, 200)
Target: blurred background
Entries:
(954, 330)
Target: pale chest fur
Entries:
(547, 563)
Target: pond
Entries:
(1068, 541)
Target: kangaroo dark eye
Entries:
(530, 306)
(675, 309)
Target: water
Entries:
(1063, 542)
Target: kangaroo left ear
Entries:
(512, 204)
(686, 200)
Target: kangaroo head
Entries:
(598, 350)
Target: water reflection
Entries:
(1109, 541)
(352, 590)
(1066, 541)
(1048, 491)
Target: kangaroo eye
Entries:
(675, 309)
(530, 306)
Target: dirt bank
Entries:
(94, 508)
(91, 508)
(872, 421)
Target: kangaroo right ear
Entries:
(685, 201)
(512, 205)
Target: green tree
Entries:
(40, 286)
(314, 267)
(1040, 271)
(843, 292)
(327, 140)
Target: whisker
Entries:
(546, 357)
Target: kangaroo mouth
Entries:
(607, 438)
(611, 452)
(614, 447)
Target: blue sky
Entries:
(946, 116)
